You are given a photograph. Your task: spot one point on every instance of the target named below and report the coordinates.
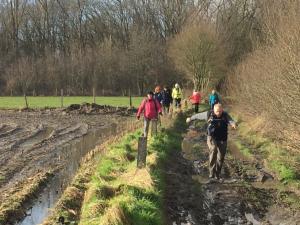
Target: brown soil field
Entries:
(33, 144)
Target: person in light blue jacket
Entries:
(214, 98)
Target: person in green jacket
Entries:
(177, 95)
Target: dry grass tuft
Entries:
(114, 216)
(138, 178)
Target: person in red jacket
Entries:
(151, 108)
(195, 99)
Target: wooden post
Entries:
(94, 95)
(26, 102)
(130, 99)
(142, 152)
(62, 98)
(154, 127)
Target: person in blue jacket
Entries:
(214, 98)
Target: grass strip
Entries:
(119, 193)
(68, 208)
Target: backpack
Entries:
(217, 100)
(154, 100)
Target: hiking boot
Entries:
(219, 178)
(211, 176)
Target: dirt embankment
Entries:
(247, 194)
(32, 145)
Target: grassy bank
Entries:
(111, 190)
(42, 102)
(121, 194)
(282, 163)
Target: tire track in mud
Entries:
(246, 194)
(35, 148)
(40, 142)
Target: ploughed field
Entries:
(32, 141)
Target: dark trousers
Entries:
(217, 152)
(177, 102)
(166, 108)
(196, 107)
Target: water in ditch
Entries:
(71, 156)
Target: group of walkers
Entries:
(159, 103)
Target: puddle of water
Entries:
(71, 154)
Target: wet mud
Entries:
(38, 141)
(246, 194)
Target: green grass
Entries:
(42, 102)
(119, 193)
(279, 160)
(243, 149)
(111, 199)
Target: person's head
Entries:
(195, 90)
(218, 110)
(176, 85)
(157, 89)
(150, 94)
(213, 91)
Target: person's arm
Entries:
(158, 106)
(141, 109)
(231, 122)
(198, 116)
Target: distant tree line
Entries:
(77, 45)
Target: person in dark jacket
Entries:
(166, 99)
(158, 94)
(217, 133)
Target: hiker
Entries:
(177, 95)
(195, 99)
(166, 99)
(151, 109)
(157, 94)
(217, 132)
(214, 98)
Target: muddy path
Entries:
(247, 193)
(39, 142)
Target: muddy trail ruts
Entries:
(31, 141)
(247, 193)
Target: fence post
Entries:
(26, 102)
(62, 98)
(94, 95)
(142, 152)
(130, 99)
